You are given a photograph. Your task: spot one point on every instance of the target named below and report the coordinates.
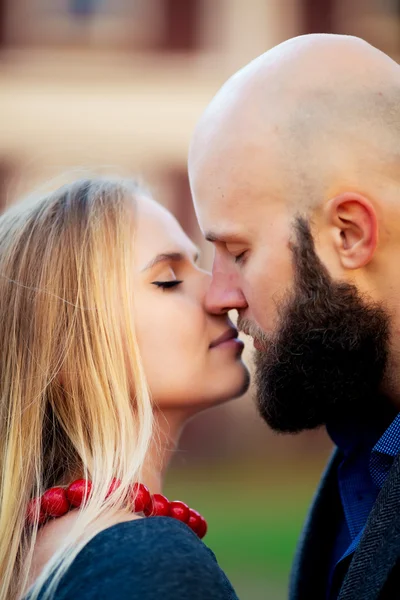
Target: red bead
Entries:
(148, 510)
(159, 506)
(179, 510)
(194, 521)
(35, 513)
(55, 502)
(141, 497)
(114, 485)
(79, 491)
(202, 529)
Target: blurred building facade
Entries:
(120, 84)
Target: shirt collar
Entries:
(389, 442)
(379, 435)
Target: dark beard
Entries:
(327, 360)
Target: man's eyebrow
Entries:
(211, 237)
(169, 257)
(223, 237)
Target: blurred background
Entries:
(119, 85)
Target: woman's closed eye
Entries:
(167, 285)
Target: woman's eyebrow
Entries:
(168, 257)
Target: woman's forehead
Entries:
(157, 231)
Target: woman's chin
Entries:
(245, 383)
(226, 383)
(237, 383)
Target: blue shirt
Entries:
(368, 455)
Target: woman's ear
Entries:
(354, 225)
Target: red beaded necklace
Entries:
(57, 501)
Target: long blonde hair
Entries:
(73, 395)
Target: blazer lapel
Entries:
(379, 547)
(309, 571)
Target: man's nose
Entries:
(224, 295)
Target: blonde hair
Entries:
(67, 399)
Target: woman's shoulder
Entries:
(148, 559)
(147, 538)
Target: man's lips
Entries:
(229, 334)
(258, 345)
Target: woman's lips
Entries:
(229, 339)
(232, 343)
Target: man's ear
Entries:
(354, 226)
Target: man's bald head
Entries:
(327, 106)
(295, 174)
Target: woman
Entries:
(107, 350)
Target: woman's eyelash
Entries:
(167, 284)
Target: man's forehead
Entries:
(237, 177)
(223, 197)
(235, 190)
(236, 217)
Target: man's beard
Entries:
(327, 359)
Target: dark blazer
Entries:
(372, 572)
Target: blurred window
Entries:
(153, 25)
(3, 23)
(83, 8)
(7, 171)
(317, 16)
(182, 20)
(176, 179)
(377, 21)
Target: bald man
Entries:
(295, 174)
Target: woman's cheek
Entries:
(170, 331)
